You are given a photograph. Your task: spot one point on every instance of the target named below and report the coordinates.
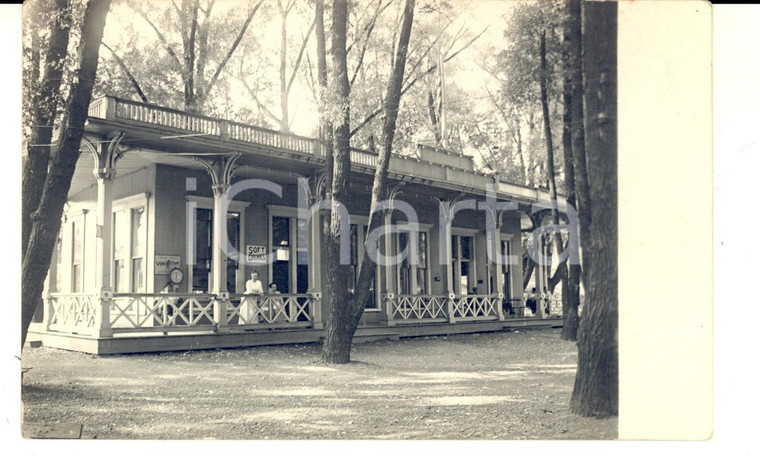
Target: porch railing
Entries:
(418, 308)
(476, 307)
(146, 311)
(439, 308)
(271, 309)
(72, 312)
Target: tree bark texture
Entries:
(571, 283)
(595, 391)
(44, 94)
(346, 310)
(336, 348)
(63, 161)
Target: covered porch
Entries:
(159, 196)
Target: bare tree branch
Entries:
(260, 105)
(232, 48)
(297, 64)
(411, 83)
(369, 28)
(161, 38)
(128, 73)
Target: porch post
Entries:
(498, 267)
(105, 154)
(541, 281)
(315, 274)
(390, 276)
(219, 254)
(51, 285)
(445, 249)
(221, 171)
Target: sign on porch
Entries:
(255, 254)
(165, 263)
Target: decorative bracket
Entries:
(221, 171)
(395, 191)
(105, 153)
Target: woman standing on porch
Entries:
(248, 304)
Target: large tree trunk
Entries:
(63, 161)
(345, 315)
(190, 7)
(571, 283)
(44, 94)
(596, 383)
(337, 343)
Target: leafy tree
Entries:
(196, 48)
(64, 153)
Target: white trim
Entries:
(130, 201)
(506, 236)
(281, 211)
(416, 226)
(463, 231)
(204, 202)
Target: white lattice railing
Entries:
(271, 309)
(416, 308)
(137, 311)
(475, 307)
(72, 312)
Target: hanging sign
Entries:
(255, 254)
(165, 263)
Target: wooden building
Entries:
(155, 189)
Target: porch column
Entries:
(51, 285)
(221, 171)
(541, 279)
(390, 276)
(448, 270)
(106, 154)
(315, 266)
(498, 267)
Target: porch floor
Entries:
(235, 337)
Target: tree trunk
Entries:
(571, 283)
(63, 161)
(345, 315)
(284, 120)
(189, 54)
(596, 383)
(520, 149)
(579, 134)
(561, 271)
(44, 94)
(337, 343)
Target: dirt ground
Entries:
(507, 385)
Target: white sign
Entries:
(255, 254)
(165, 263)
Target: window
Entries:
(202, 253)
(204, 242)
(129, 243)
(505, 252)
(462, 272)
(281, 249)
(138, 234)
(372, 302)
(121, 243)
(77, 254)
(413, 270)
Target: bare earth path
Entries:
(511, 385)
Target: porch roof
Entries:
(154, 134)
